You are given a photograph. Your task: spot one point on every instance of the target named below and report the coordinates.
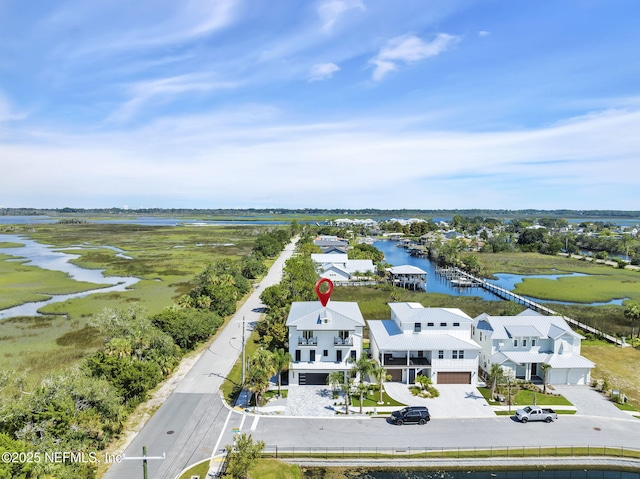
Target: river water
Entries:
(46, 257)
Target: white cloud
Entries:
(7, 112)
(408, 49)
(322, 71)
(120, 25)
(291, 164)
(331, 10)
(163, 90)
(484, 33)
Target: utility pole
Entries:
(243, 353)
(144, 459)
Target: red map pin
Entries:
(324, 297)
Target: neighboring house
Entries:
(338, 267)
(327, 243)
(322, 338)
(433, 342)
(408, 276)
(525, 342)
(333, 249)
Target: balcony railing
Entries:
(343, 342)
(313, 341)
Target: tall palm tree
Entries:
(545, 376)
(281, 361)
(361, 368)
(342, 381)
(380, 373)
(632, 313)
(260, 370)
(495, 374)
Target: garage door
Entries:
(313, 379)
(396, 374)
(454, 378)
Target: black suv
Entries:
(411, 414)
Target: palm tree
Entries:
(380, 373)
(281, 360)
(495, 375)
(361, 368)
(260, 370)
(545, 376)
(340, 380)
(632, 313)
(335, 379)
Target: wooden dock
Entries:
(457, 275)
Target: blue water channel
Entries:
(438, 284)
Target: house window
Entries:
(480, 335)
(325, 352)
(444, 325)
(515, 343)
(417, 327)
(524, 343)
(421, 354)
(307, 335)
(430, 325)
(343, 334)
(441, 354)
(461, 354)
(339, 355)
(454, 354)
(533, 343)
(312, 355)
(352, 353)
(297, 355)
(456, 325)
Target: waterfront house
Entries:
(433, 342)
(525, 342)
(322, 338)
(407, 276)
(339, 268)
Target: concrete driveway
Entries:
(455, 400)
(589, 402)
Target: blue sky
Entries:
(329, 103)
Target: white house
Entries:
(433, 342)
(321, 338)
(338, 267)
(408, 276)
(526, 341)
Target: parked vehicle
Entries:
(535, 413)
(411, 415)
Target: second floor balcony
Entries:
(348, 341)
(312, 341)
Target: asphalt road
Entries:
(187, 427)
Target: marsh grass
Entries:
(603, 284)
(165, 258)
(22, 283)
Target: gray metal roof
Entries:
(522, 331)
(389, 337)
(499, 327)
(310, 315)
